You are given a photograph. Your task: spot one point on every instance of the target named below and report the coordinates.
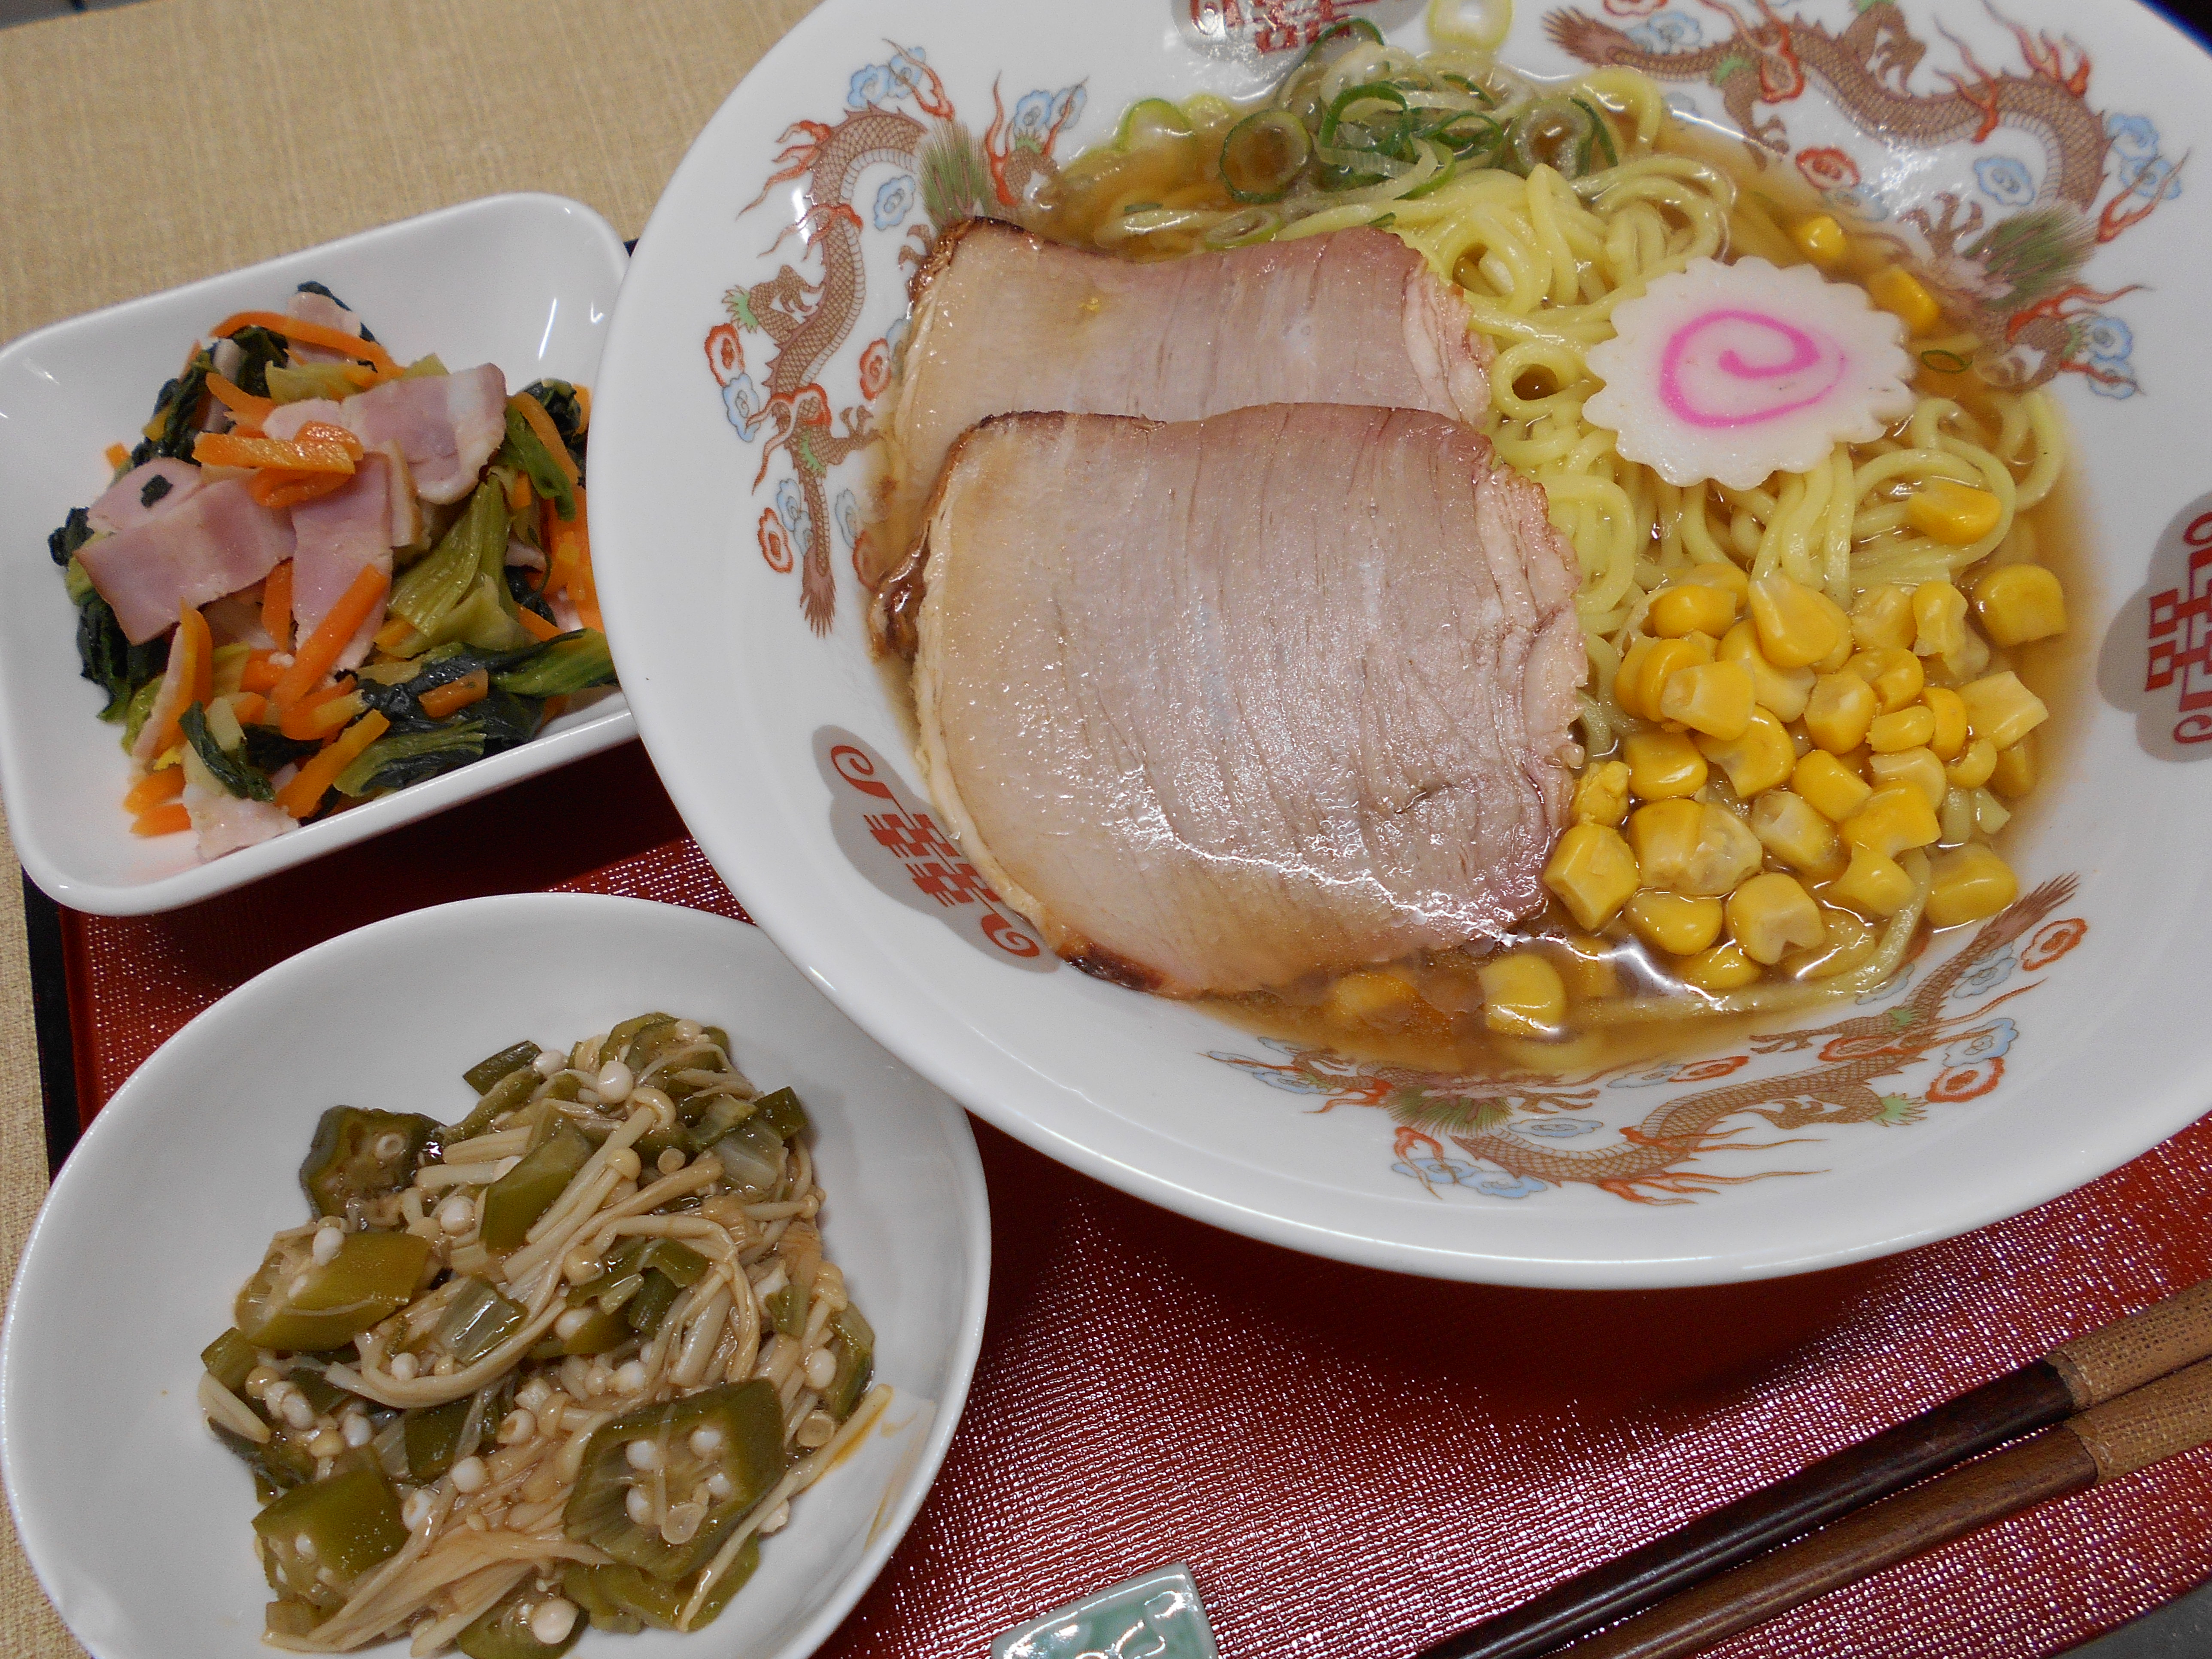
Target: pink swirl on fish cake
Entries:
(1706, 380)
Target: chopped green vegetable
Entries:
(137, 711)
(476, 1321)
(492, 1067)
(782, 1113)
(518, 1198)
(260, 352)
(751, 1156)
(229, 1359)
(175, 424)
(618, 1597)
(359, 1155)
(565, 409)
(422, 598)
(76, 582)
(856, 1363)
(432, 1438)
(573, 662)
(503, 1632)
(111, 662)
(526, 452)
(274, 1461)
(503, 1097)
(394, 763)
(748, 1453)
(74, 532)
(270, 750)
(297, 383)
(301, 1305)
(318, 1538)
(238, 776)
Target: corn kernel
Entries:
(1601, 794)
(1680, 926)
(1730, 578)
(1845, 645)
(1758, 758)
(1796, 625)
(1949, 709)
(1896, 675)
(1908, 728)
(1790, 827)
(1830, 786)
(1781, 691)
(1974, 765)
(1881, 618)
(1989, 813)
(2002, 709)
(1364, 997)
(1720, 969)
(1839, 712)
(1646, 672)
(1523, 994)
(1663, 765)
(1586, 964)
(1820, 239)
(1714, 698)
(1939, 619)
(1875, 884)
(2020, 602)
(1690, 608)
(1918, 766)
(1953, 513)
(1968, 661)
(1688, 846)
(1770, 914)
(2015, 773)
(1898, 291)
(1592, 872)
(1895, 817)
(1969, 884)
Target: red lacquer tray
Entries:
(1351, 1462)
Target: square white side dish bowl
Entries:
(138, 1521)
(526, 281)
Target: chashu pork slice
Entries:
(1003, 321)
(1219, 703)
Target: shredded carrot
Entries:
(535, 625)
(305, 792)
(275, 488)
(248, 706)
(518, 493)
(191, 658)
(318, 652)
(571, 547)
(328, 432)
(313, 334)
(394, 635)
(154, 790)
(548, 434)
(276, 608)
(261, 672)
(117, 455)
(162, 820)
(555, 707)
(300, 454)
(244, 408)
(321, 714)
(456, 695)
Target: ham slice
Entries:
(1216, 704)
(1003, 321)
(446, 425)
(219, 540)
(286, 419)
(125, 503)
(338, 536)
(222, 822)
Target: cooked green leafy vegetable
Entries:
(571, 663)
(110, 660)
(525, 452)
(75, 532)
(260, 352)
(238, 775)
(565, 411)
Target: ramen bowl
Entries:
(2005, 1065)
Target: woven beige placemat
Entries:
(147, 146)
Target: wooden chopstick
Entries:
(2079, 1375)
(2158, 1421)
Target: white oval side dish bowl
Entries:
(138, 1521)
(2008, 1065)
(524, 281)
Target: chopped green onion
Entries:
(1263, 156)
